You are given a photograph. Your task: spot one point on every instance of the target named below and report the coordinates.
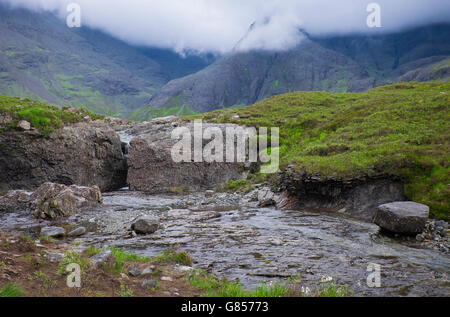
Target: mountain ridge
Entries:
(334, 64)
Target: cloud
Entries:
(217, 25)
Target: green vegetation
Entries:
(333, 290)
(125, 291)
(213, 287)
(169, 256)
(11, 290)
(181, 190)
(241, 186)
(92, 250)
(44, 279)
(400, 131)
(73, 257)
(182, 258)
(43, 117)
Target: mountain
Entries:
(334, 64)
(41, 58)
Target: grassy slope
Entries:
(45, 118)
(400, 130)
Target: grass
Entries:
(125, 291)
(11, 290)
(45, 118)
(73, 257)
(333, 290)
(92, 250)
(169, 256)
(44, 279)
(400, 131)
(173, 256)
(214, 287)
(241, 186)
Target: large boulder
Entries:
(86, 154)
(407, 218)
(152, 169)
(55, 200)
(51, 200)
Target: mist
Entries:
(217, 26)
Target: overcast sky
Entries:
(217, 25)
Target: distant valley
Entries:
(41, 58)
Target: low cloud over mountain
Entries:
(216, 26)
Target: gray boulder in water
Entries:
(407, 218)
(146, 225)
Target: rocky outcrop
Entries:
(358, 197)
(51, 201)
(85, 154)
(152, 169)
(15, 200)
(406, 217)
(55, 200)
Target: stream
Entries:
(253, 245)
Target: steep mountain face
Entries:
(339, 64)
(41, 58)
(386, 57)
(244, 78)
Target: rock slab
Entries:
(402, 217)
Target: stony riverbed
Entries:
(226, 234)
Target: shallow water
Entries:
(256, 245)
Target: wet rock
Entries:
(209, 193)
(53, 232)
(77, 232)
(402, 217)
(146, 225)
(54, 200)
(103, 258)
(435, 236)
(266, 197)
(167, 279)
(149, 284)
(86, 154)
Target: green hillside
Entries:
(45, 118)
(400, 130)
